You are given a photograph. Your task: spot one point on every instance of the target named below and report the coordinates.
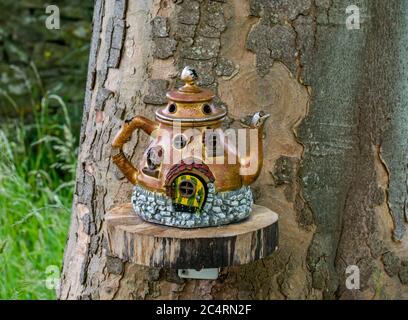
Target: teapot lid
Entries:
(190, 103)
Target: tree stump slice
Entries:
(133, 239)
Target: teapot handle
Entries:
(122, 137)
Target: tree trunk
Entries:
(335, 164)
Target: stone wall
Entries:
(34, 60)
(219, 208)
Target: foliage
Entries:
(37, 166)
(40, 69)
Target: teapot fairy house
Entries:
(174, 184)
(193, 175)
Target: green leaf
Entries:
(2, 245)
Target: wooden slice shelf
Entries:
(132, 239)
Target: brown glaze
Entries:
(191, 113)
(124, 135)
(180, 135)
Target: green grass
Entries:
(37, 165)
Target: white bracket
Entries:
(203, 274)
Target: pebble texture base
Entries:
(219, 208)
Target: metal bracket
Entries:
(203, 274)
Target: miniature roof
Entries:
(190, 103)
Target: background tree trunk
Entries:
(336, 147)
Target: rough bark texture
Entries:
(335, 164)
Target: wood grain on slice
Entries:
(130, 238)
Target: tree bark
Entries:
(335, 165)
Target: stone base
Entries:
(220, 208)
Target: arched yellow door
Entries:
(189, 193)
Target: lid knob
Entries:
(190, 92)
(189, 77)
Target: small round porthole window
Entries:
(172, 108)
(186, 188)
(207, 109)
(179, 141)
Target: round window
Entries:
(186, 189)
(172, 108)
(206, 109)
(179, 141)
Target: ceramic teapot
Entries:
(193, 173)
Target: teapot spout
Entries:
(251, 165)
